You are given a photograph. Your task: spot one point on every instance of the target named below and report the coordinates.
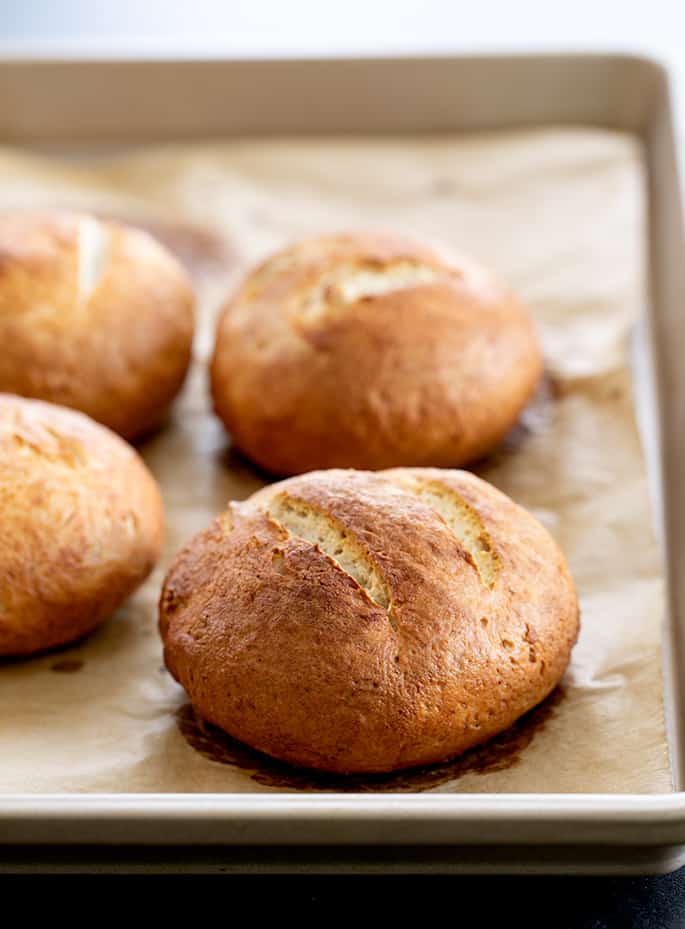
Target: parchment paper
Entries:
(560, 215)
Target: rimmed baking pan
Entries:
(51, 102)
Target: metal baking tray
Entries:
(48, 101)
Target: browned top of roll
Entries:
(370, 350)
(356, 621)
(93, 315)
(82, 524)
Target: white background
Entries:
(323, 27)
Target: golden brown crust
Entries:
(93, 315)
(270, 630)
(319, 365)
(82, 524)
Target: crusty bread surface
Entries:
(94, 315)
(82, 524)
(370, 351)
(369, 621)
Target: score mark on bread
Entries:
(305, 521)
(94, 239)
(464, 523)
(348, 283)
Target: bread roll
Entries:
(370, 351)
(94, 316)
(82, 524)
(358, 622)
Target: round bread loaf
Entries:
(370, 351)
(93, 315)
(82, 524)
(355, 621)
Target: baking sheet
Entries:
(560, 214)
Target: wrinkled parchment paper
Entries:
(560, 215)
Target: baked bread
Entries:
(371, 351)
(93, 315)
(369, 621)
(82, 524)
